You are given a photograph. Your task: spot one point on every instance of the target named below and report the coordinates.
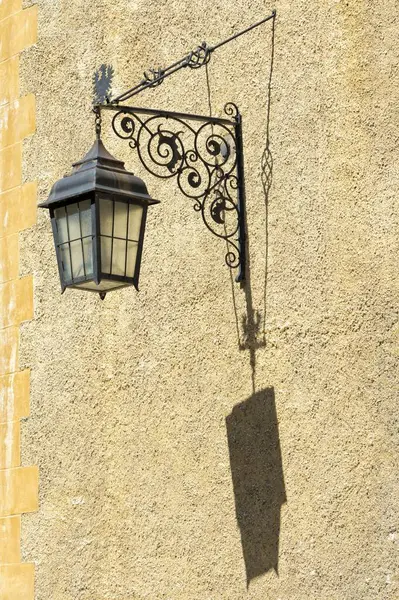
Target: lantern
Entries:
(98, 216)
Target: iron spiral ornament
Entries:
(201, 154)
(199, 57)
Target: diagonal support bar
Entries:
(194, 60)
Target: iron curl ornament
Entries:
(204, 156)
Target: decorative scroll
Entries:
(200, 56)
(153, 77)
(201, 154)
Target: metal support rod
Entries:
(194, 60)
(242, 241)
(164, 113)
(240, 33)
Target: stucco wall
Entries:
(195, 437)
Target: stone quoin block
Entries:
(17, 582)
(9, 258)
(14, 396)
(10, 534)
(17, 120)
(9, 7)
(17, 32)
(18, 209)
(10, 438)
(9, 346)
(10, 167)
(18, 491)
(9, 77)
(16, 301)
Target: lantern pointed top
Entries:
(100, 155)
(98, 171)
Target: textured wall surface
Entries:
(18, 484)
(196, 441)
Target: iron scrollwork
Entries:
(201, 153)
(154, 77)
(200, 56)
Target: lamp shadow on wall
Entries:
(258, 481)
(251, 331)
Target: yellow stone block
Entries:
(14, 396)
(17, 32)
(17, 582)
(16, 301)
(10, 167)
(18, 209)
(9, 345)
(9, 7)
(9, 77)
(19, 491)
(9, 258)
(10, 534)
(17, 121)
(10, 437)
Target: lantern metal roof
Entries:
(98, 171)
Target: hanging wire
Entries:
(208, 85)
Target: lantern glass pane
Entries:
(106, 249)
(87, 238)
(119, 257)
(120, 220)
(66, 261)
(73, 221)
(85, 217)
(77, 259)
(88, 255)
(74, 239)
(131, 258)
(106, 216)
(62, 225)
(135, 217)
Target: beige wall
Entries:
(195, 437)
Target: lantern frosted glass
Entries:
(98, 242)
(98, 215)
(75, 240)
(120, 225)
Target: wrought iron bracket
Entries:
(204, 155)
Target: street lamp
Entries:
(98, 213)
